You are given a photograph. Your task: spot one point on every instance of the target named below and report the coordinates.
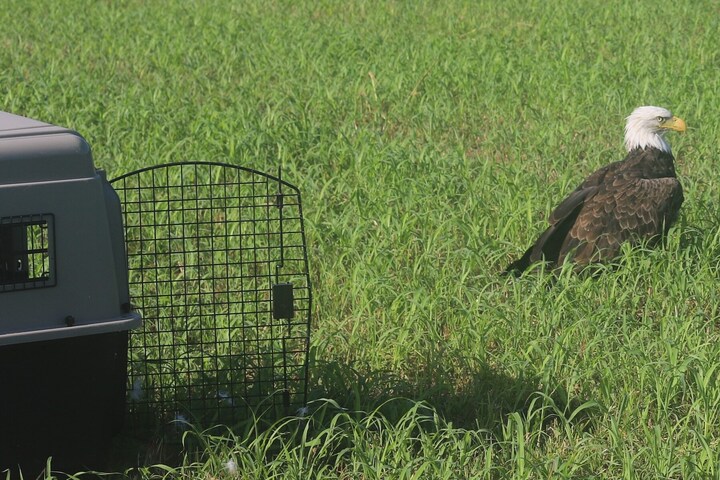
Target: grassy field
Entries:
(429, 141)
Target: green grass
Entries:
(429, 141)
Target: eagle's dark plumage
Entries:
(633, 200)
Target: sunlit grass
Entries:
(429, 143)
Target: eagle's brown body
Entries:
(634, 200)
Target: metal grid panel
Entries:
(208, 244)
(26, 254)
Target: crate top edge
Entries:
(10, 122)
(32, 151)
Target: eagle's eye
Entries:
(660, 119)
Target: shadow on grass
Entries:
(479, 401)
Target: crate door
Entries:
(218, 268)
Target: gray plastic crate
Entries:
(62, 262)
(64, 304)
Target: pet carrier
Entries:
(213, 256)
(64, 302)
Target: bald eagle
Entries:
(636, 199)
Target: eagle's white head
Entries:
(646, 127)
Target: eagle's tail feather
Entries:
(517, 267)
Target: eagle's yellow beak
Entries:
(674, 123)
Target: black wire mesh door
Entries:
(218, 268)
